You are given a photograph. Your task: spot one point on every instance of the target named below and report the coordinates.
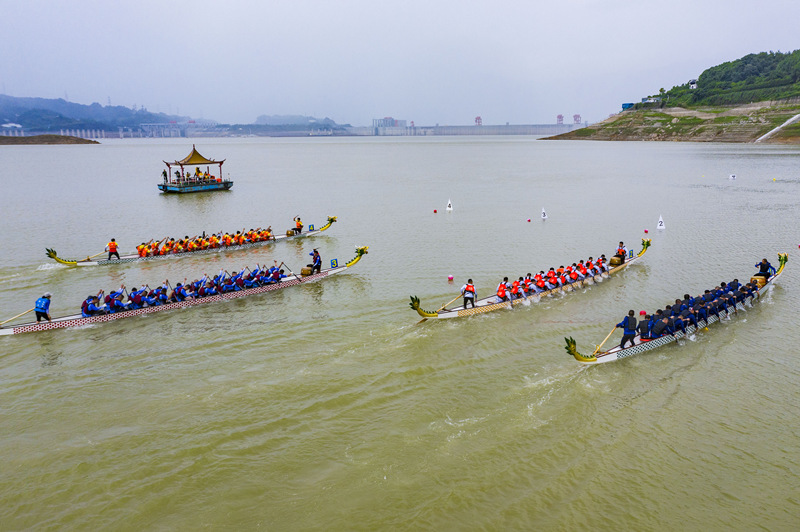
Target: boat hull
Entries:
(194, 187)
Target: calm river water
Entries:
(324, 407)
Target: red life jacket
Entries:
(501, 290)
(589, 265)
(573, 275)
(515, 287)
(621, 251)
(469, 288)
(112, 247)
(582, 269)
(537, 277)
(540, 284)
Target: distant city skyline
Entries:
(442, 62)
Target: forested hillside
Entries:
(753, 78)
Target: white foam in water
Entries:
(51, 266)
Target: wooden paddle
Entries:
(17, 316)
(440, 308)
(604, 341)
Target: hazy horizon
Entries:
(443, 62)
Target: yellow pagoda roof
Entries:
(194, 158)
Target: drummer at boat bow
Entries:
(298, 225)
(468, 291)
(765, 268)
(622, 252)
(316, 262)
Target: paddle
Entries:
(604, 341)
(17, 316)
(96, 255)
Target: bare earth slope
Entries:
(744, 123)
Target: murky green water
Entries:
(325, 407)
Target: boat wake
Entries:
(51, 266)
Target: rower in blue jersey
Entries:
(42, 307)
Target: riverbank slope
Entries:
(744, 123)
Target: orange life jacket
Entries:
(299, 224)
(112, 247)
(142, 250)
(501, 290)
(589, 265)
(560, 271)
(621, 251)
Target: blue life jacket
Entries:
(42, 305)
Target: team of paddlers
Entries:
(170, 245)
(206, 286)
(553, 278)
(686, 311)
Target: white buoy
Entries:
(544, 214)
(449, 206)
(660, 222)
(732, 177)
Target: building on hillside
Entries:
(692, 83)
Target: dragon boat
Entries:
(490, 304)
(77, 320)
(641, 346)
(134, 257)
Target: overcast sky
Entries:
(429, 61)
